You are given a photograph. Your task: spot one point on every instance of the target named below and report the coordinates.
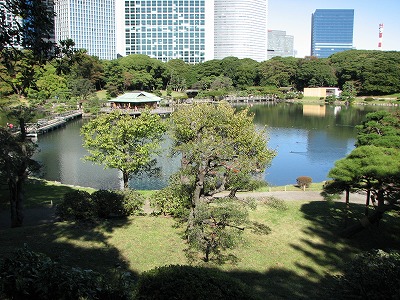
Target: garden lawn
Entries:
(288, 263)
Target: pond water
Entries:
(308, 140)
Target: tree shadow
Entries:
(75, 244)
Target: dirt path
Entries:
(42, 215)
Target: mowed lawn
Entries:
(290, 262)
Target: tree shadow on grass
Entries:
(325, 248)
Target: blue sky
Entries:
(294, 16)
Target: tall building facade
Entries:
(280, 44)
(240, 29)
(90, 24)
(166, 29)
(332, 31)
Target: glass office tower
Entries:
(240, 29)
(332, 31)
(90, 24)
(166, 29)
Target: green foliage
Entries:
(371, 275)
(275, 203)
(330, 99)
(125, 143)
(187, 282)
(380, 129)
(107, 203)
(304, 181)
(76, 205)
(168, 201)
(82, 206)
(369, 99)
(31, 275)
(132, 202)
(216, 227)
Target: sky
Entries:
(294, 17)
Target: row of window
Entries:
(139, 47)
(195, 23)
(159, 10)
(166, 3)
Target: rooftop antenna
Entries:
(380, 36)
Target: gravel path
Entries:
(42, 215)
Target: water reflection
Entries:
(308, 141)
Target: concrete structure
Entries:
(240, 29)
(331, 31)
(322, 92)
(166, 29)
(90, 24)
(135, 100)
(280, 44)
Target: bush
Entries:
(187, 282)
(76, 205)
(304, 181)
(369, 99)
(108, 203)
(330, 99)
(30, 275)
(371, 275)
(132, 202)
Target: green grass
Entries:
(317, 186)
(289, 263)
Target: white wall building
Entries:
(90, 24)
(280, 44)
(240, 29)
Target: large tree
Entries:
(374, 166)
(221, 149)
(123, 142)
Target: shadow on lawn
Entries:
(326, 248)
(83, 245)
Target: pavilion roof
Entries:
(136, 97)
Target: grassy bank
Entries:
(288, 263)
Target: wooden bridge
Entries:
(51, 123)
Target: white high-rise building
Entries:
(280, 44)
(240, 29)
(90, 24)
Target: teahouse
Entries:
(135, 100)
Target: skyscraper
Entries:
(90, 24)
(332, 31)
(166, 29)
(280, 44)
(240, 29)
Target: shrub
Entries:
(76, 205)
(330, 99)
(132, 202)
(300, 96)
(371, 275)
(369, 99)
(188, 282)
(108, 203)
(31, 275)
(304, 181)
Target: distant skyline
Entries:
(294, 16)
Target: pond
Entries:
(308, 140)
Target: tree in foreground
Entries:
(122, 142)
(16, 164)
(222, 150)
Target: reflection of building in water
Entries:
(337, 110)
(314, 110)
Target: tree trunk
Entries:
(125, 177)
(346, 217)
(197, 193)
(16, 201)
(367, 202)
(368, 220)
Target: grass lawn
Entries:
(288, 263)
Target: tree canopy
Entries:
(122, 142)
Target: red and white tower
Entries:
(380, 36)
